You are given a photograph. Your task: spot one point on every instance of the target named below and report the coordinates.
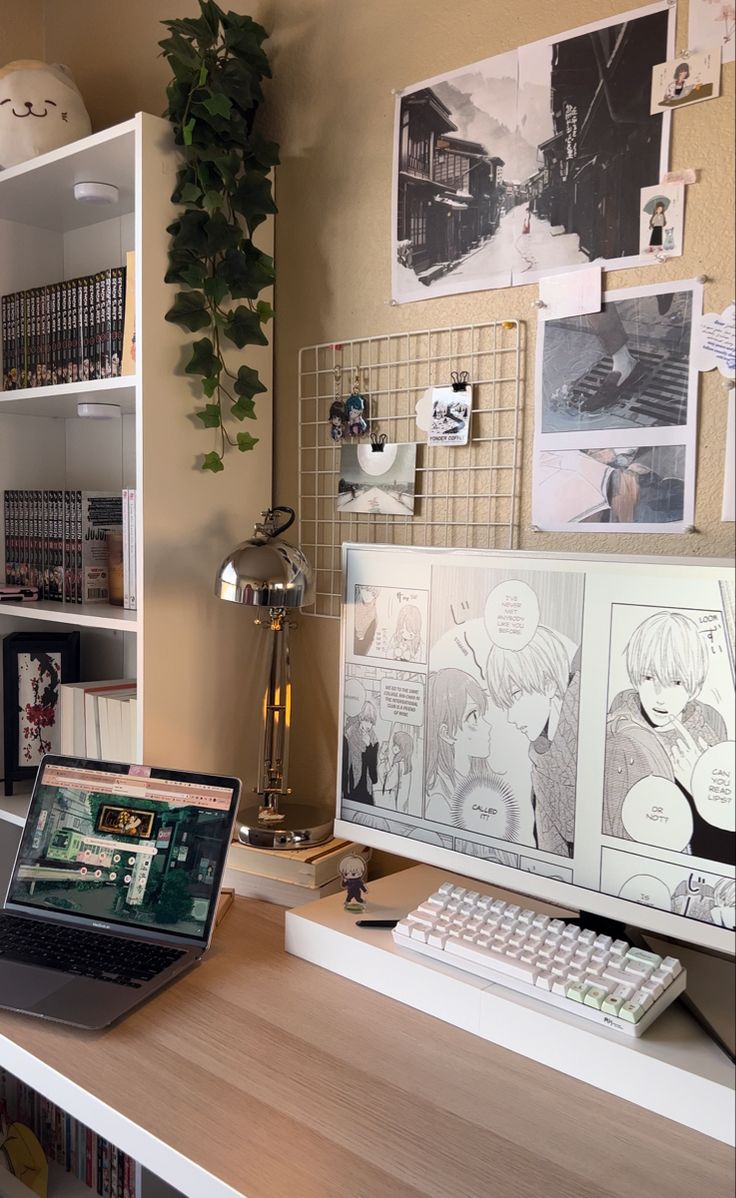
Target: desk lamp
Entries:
(266, 573)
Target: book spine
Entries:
(7, 305)
(43, 357)
(23, 351)
(96, 356)
(67, 546)
(132, 567)
(107, 325)
(117, 322)
(126, 550)
(54, 357)
(6, 536)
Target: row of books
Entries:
(64, 333)
(98, 719)
(56, 543)
(288, 877)
(71, 1145)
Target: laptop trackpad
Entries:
(24, 987)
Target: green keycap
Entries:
(577, 991)
(612, 1006)
(595, 997)
(640, 954)
(630, 1012)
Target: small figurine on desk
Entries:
(352, 872)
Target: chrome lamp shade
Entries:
(276, 578)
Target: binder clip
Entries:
(378, 441)
(460, 380)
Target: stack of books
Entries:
(288, 877)
(64, 333)
(99, 719)
(66, 1142)
(56, 543)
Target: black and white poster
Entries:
(531, 162)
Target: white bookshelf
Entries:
(188, 651)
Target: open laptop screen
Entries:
(130, 845)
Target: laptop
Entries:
(114, 889)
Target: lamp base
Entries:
(302, 826)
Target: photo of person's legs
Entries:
(625, 369)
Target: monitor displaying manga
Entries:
(555, 724)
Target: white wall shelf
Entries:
(62, 400)
(14, 808)
(83, 615)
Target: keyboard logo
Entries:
(106, 926)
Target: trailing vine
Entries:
(224, 191)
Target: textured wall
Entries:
(330, 107)
(21, 30)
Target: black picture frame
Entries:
(39, 646)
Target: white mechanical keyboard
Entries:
(593, 977)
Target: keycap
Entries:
(631, 1012)
(595, 997)
(437, 939)
(640, 954)
(611, 1005)
(576, 991)
(544, 981)
(418, 932)
(494, 960)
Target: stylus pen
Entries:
(376, 923)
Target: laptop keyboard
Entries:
(82, 954)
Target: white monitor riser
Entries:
(675, 1069)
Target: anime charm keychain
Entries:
(338, 416)
(356, 410)
(352, 872)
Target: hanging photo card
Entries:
(661, 216)
(686, 80)
(377, 479)
(713, 23)
(571, 294)
(451, 412)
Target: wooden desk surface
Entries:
(285, 1081)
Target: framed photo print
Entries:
(34, 666)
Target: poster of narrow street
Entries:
(531, 162)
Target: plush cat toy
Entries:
(40, 109)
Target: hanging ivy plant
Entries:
(224, 191)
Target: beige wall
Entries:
(330, 107)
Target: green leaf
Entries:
(246, 442)
(209, 415)
(221, 235)
(194, 275)
(265, 152)
(204, 360)
(215, 288)
(253, 198)
(213, 201)
(264, 311)
(244, 408)
(188, 132)
(209, 386)
(184, 268)
(178, 47)
(218, 105)
(248, 383)
(247, 271)
(190, 231)
(189, 310)
(244, 328)
(212, 461)
(189, 194)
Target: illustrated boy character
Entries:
(659, 728)
(360, 755)
(539, 690)
(352, 872)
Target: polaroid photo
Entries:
(686, 80)
(661, 219)
(451, 412)
(377, 479)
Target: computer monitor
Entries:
(561, 725)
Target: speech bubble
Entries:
(403, 701)
(511, 614)
(648, 891)
(713, 786)
(354, 696)
(656, 812)
(490, 808)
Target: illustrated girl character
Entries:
(360, 755)
(406, 642)
(458, 738)
(337, 420)
(352, 872)
(659, 728)
(355, 414)
(395, 768)
(657, 222)
(679, 87)
(539, 689)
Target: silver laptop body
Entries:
(117, 851)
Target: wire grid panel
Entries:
(466, 496)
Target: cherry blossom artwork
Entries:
(39, 676)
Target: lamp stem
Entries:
(274, 756)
